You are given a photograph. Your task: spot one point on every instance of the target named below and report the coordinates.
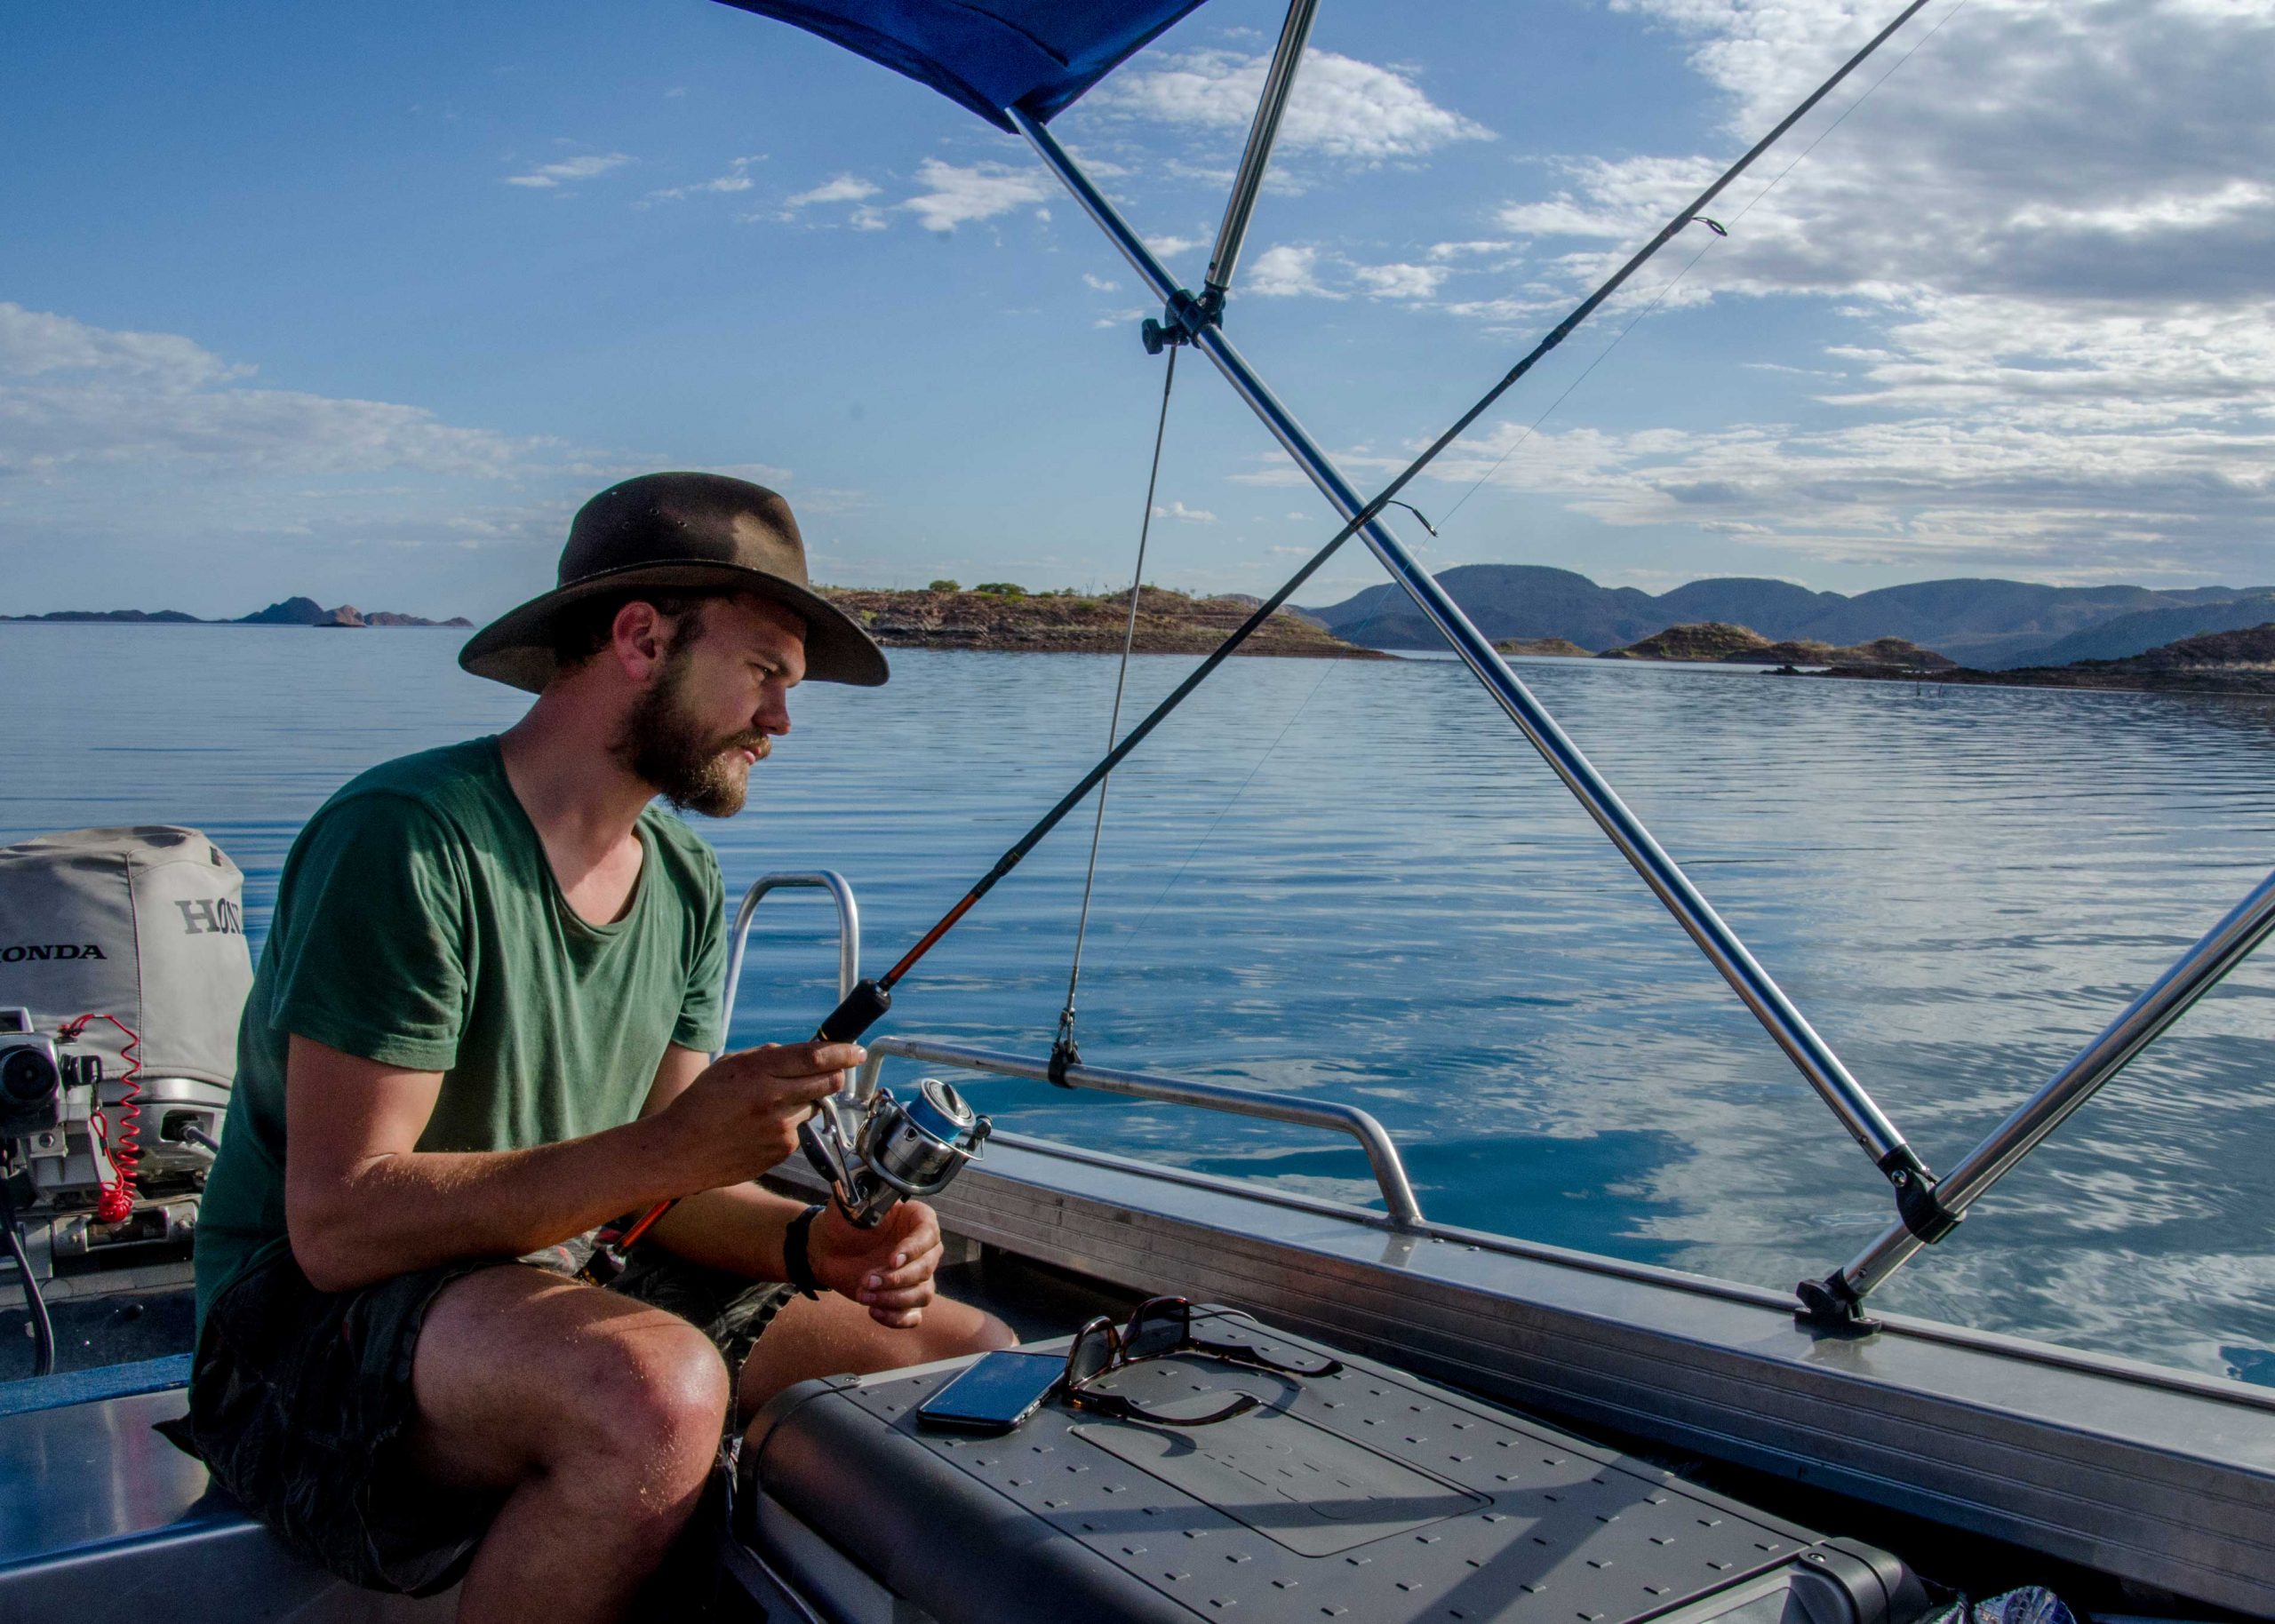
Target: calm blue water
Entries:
(1353, 879)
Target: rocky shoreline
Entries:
(1715, 642)
(1004, 618)
(287, 612)
(2217, 663)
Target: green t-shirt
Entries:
(418, 924)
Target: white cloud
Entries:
(1101, 284)
(1177, 513)
(736, 180)
(837, 188)
(1412, 282)
(72, 394)
(548, 175)
(146, 455)
(2051, 235)
(1342, 108)
(1285, 271)
(961, 194)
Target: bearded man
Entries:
(481, 1027)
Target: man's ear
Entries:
(640, 639)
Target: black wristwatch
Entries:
(797, 1267)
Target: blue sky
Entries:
(360, 303)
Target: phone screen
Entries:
(999, 1391)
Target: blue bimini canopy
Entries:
(1035, 55)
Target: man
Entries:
(479, 1028)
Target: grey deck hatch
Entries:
(1369, 1494)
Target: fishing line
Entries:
(1063, 1052)
(1385, 593)
(1720, 230)
(867, 1003)
(1224, 811)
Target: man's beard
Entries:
(663, 747)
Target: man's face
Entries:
(719, 699)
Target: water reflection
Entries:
(1353, 880)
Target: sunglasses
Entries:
(1158, 1327)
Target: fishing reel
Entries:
(874, 1152)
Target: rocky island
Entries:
(1552, 648)
(1000, 615)
(1719, 642)
(2238, 662)
(286, 612)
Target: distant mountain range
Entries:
(1988, 624)
(290, 612)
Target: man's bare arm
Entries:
(361, 1202)
(739, 1228)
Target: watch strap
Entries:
(797, 1263)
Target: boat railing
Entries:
(849, 932)
(1374, 1139)
(1382, 1154)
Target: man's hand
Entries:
(888, 1269)
(740, 1116)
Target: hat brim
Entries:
(516, 648)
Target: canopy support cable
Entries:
(1184, 315)
(1063, 1051)
(1186, 319)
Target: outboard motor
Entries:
(874, 1153)
(122, 972)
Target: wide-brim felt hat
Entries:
(682, 532)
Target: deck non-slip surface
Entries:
(1367, 1494)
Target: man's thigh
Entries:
(517, 1369)
(833, 1335)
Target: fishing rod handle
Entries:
(863, 1008)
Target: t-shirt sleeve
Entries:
(372, 939)
(702, 1011)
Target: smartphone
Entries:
(996, 1393)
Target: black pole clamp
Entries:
(1183, 318)
(1919, 1203)
(1063, 1054)
(1830, 1307)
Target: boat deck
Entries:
(1985, 1460)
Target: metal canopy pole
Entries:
(1261, 136)
(2145, 1019)
(1786, 1027)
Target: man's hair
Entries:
(583, 629)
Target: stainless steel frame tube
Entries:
(1382, 1154)
(2168, 998)
(1261, 136)
(1809, 1051)
(849, 930)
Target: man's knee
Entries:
(652, 1386)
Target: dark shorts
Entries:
(300, 1400)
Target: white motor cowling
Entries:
(144, 924)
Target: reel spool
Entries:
(876, 1154)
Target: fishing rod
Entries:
(870, 999)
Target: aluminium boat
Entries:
(1518, 1432)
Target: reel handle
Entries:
(862, 1008)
